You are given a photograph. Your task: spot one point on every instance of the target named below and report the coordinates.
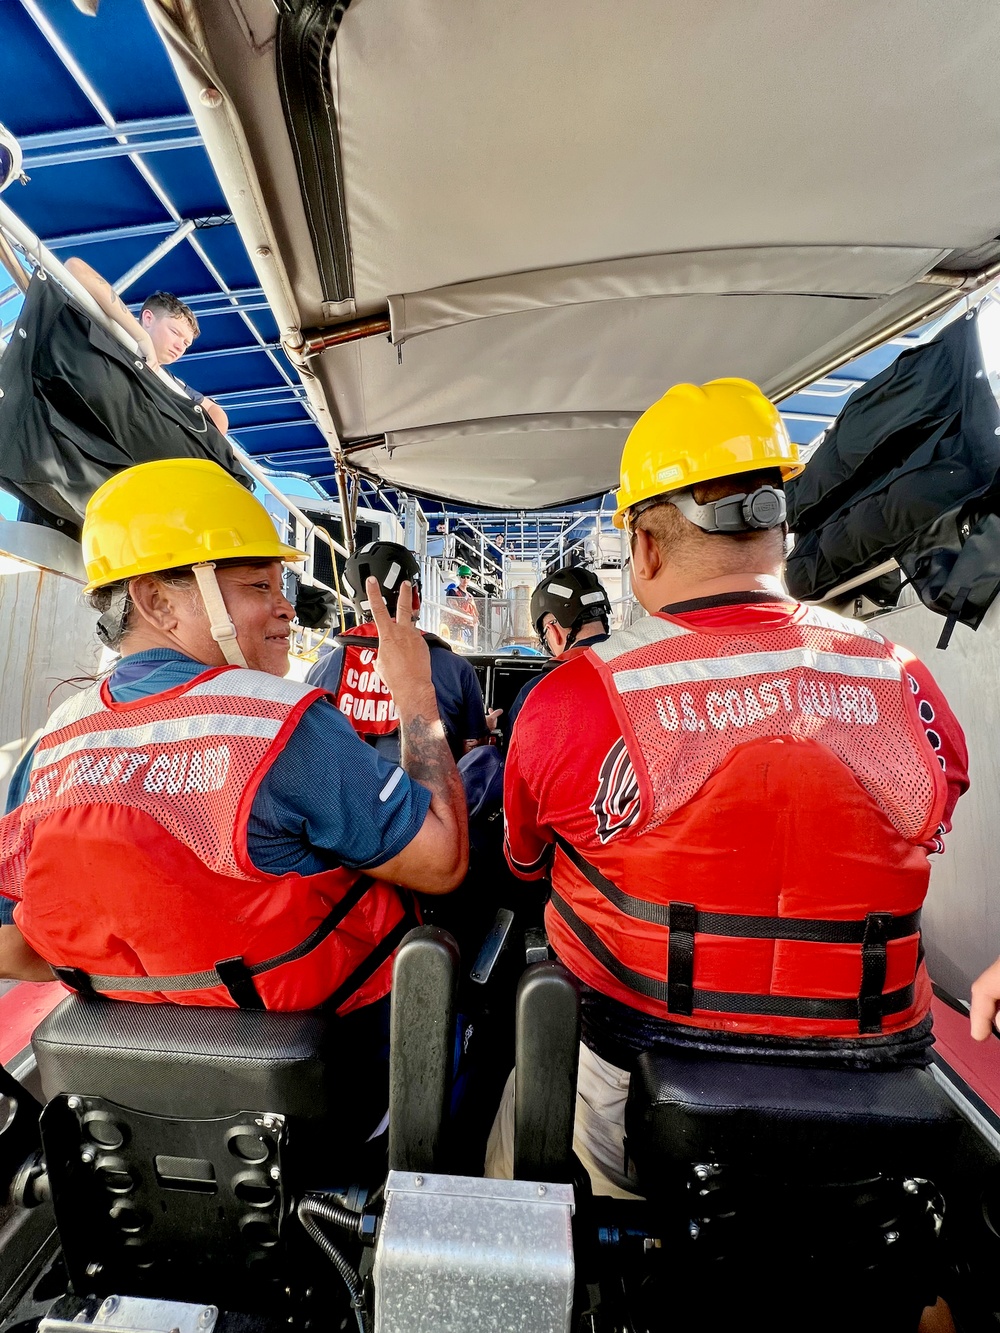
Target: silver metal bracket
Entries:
(135, 1314)
(465, 1255)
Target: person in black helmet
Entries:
(569, 609)
(348, 671)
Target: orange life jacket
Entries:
(774, 881)
(129, 856)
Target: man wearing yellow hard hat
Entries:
(736, 797)
(198, 829)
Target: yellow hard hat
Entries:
(697, 432)
(174, 513)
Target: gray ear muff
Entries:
(758, 511)
(765, 508)
(112, 622)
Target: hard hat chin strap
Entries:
(223, 629)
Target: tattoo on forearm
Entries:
(427, 758)
(115, 301)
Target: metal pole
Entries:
(345, 507)
(260, 476)
(319, 340)
(859, 580)
(154, 256)
(943, 297)
(13, 265)
(46, 260)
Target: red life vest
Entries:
(773, 878)
(129, 856)
(360, 694)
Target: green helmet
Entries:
(464, 572)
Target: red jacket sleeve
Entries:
(528, 847)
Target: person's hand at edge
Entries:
(985, 1002)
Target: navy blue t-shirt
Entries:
(460, 700)
(327, 800)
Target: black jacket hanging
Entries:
(912, 455)
(76, 407)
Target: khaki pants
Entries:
(599, 1134)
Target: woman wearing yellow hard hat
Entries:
(197, 832)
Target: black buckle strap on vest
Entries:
(238, 981)
(805, 930)
(77, 980)
(238, 978)
(680, 958)
(235, 974)
(725, 1002)
(316, 937)
(873, 967)
(369, 966)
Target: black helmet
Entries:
(388, 562)
(574, 596)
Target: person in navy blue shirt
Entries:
(325, 801)
(459, 697)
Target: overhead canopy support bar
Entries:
(179, 234)
(13, 265)
(92, 152)
(135, 232)
(315, 341)
(942, 299)
(161, 125)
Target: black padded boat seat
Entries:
(786, 1120)
(178, 1060)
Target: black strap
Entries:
(369, 966)
(77, 980)
(238, 981)
(237, 977)
(680, 958)
(724, 1002)
(316, 937)
(730, 924)
(873, 966)
(233, 973)
(957, 606)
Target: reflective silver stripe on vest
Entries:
(160, 733)
(81, 705)
(755, 664)
(644, 632)
(248, 684)
(824, 619)
(652, 629)
(149, 985)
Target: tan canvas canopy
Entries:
(547, 213)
